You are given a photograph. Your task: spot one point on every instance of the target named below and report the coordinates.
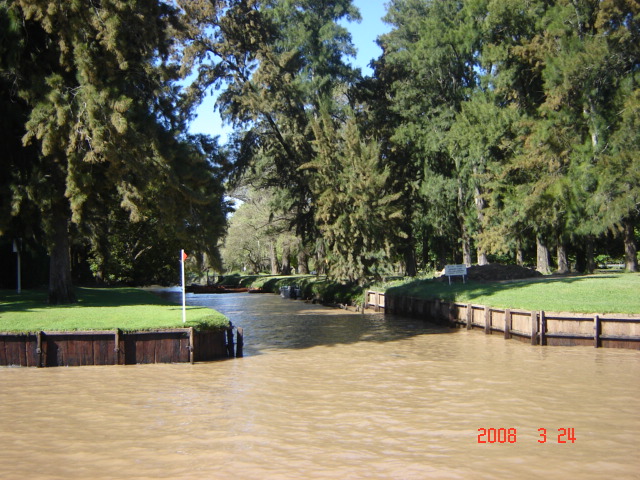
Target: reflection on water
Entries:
(326, 394)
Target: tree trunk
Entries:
(466, 241)
(411, 268)
(519, 253)
(482, 257)
(320, 258)
(425, 252)
(563, 264)
(480, 206)
(542, 257)
(60, 285)
(274, 259)
(630, 247)
(285, 269)
(591, 264)
(466, 250)
(303, 266)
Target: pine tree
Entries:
(356, 212)
(97, 86)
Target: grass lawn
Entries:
(600, 293)
(128, 309)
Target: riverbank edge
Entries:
(536, 327)
(318, 289)
(117, 347)
(126, 309)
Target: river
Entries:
(326, 394)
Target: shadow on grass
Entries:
(29, 300)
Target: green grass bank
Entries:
(597, 293)
(316, 287)
(127, 309)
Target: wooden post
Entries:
(191, 346)
(487, 320)
(597, 331)
(507, 324)
(534, 328)
(469, 316)
(39, 349)
(230, 352)
(543, 328)
(239, 341)
(116, 349)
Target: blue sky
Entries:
(363, 35)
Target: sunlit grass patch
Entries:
(128, 309)
(602, 293)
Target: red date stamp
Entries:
(510, 435)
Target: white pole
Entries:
(184, 295)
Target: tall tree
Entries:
(276, 61)
(101, 111)
(429, 61)
(356, 212)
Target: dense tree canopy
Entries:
(490, 130)
(95, 129)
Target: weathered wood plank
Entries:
(112, 347)
(191, 346)
(507, 324)
(487, 320)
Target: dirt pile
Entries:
(495, 272)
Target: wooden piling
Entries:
(534, 328)
(597, 331)
(543, 328)
(469, 316)
(191, 347)
(507, 324)
(230, 352)
(116, 348)
(487, 320)
(39, 355)
(239, 342)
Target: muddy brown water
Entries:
(323, 394)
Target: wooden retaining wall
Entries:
(536, 327)
(114, 347)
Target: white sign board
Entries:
(455, 270)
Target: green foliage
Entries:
(493, 126)
(316, 288)
(102, 143)
(258, 239)
(356, 213)
(510, 111)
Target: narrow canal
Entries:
(324, 394)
